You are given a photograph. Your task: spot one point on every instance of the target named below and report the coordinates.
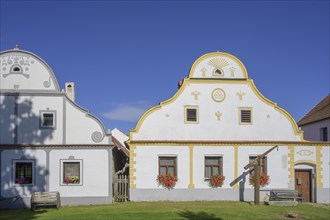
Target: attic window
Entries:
(47, 119)
(217, 72)
(245, 116)
(191, 114)
(17, 69)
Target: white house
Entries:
(47, 141)
(216, 123)
(316, 123)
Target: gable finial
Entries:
(16, 47)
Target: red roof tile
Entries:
(320, 112)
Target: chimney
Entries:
(70, 90)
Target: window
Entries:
(213, 166)
(167, 165)
(191, 114)
(23, 172)
(17, 69)
(71, 172)
(324, 134)
(245, 115)
(217, 72)
(47, 119)
(263, 165)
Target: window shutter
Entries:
(246, 116)
(191, 114)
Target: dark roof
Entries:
(120, 146)
(320, 112)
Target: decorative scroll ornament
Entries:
(218, 63)
(16, 65)
(97, 137)
(47, 83)
(240, 95)
(203, 70)
(218, 114)
(195, 94)
(304, 152)
(232, 71)
(218, 95)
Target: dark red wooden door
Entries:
(303, 184)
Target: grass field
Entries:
(174, 210)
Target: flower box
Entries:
(167, 181)
(216, 181)
(264, 180)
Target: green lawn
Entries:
(173, 210)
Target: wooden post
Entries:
(257, 181)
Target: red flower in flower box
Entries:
(264, 180)
(167, 181)
(217, 181)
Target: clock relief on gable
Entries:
(218, 95)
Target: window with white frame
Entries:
(23, 172)
(47, 119)
(71, 172)
(213, 166)
(167, 165)
(191, 114)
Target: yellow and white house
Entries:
(216, 123)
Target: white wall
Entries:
(95, 173)
(167, 122)
(312, 131)
(8, 186)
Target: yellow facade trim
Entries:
(215, 54)
(291, 162)
(279, 109)
(304, 162)
(219, 143)
(191, 167)
(236, 186)
(219, 81)
(132, 163)
(319, 167)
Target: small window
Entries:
(191, 114)
(213, 166)
(217, 72)
(47, 120)
(324, 134)
(263, 165)
(23, 172)
(167, 165)
(245, 116)
(71, 172)
(17, 69)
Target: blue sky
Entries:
(127, 56)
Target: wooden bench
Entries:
(285, 195)
(45, 199)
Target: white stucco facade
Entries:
(43, 130)
(231, 120)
